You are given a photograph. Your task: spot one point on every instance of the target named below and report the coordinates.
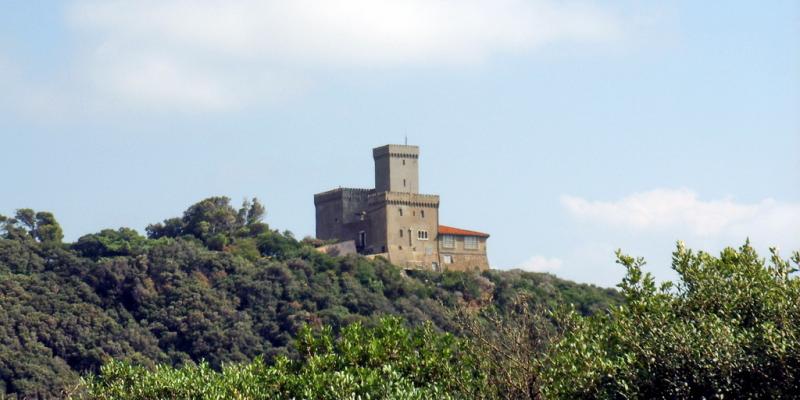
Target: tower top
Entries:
(396, 168)
(396, 150)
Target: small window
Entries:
(401, 233)
(435, 266)
(448, 241)
(470, 242)
(422, 235)
(447, 259)
(422, 213)
(401, 211)
(404, 183)
(404, 162)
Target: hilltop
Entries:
(214, 284)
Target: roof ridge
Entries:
(449, 230)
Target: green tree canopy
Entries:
(388, 361)
(41, 226)
(729, 328)
(214, 221)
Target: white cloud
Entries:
(335, 32)
(217, 55)
(647, 224)
(162, 79)
(682, 212)
(541, 264)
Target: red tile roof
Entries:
(449, 230)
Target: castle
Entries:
(395, 221)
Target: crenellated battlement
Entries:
(342, 194)
(405, 199)
(396, 150)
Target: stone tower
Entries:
(396, 168)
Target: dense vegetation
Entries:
(389, 361)
(218, 285)
(730, 328)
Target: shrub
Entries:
(730, 328)
(388, 361)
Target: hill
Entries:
(215, 284)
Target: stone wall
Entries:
(464, 259)
(341, 213)
(407, 215)
(339, 249)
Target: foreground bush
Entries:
(730, 328)
(388, 361)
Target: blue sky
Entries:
(565, 129)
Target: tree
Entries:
(171, 228)
(241, 216)
(210, 217)
(27, 223)
(256, 212)
(47, 229)
(214, 221)
(730, 328)
(510, 344)
(26, 217)
(110, 243)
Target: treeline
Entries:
(728, 329)
(215, 286)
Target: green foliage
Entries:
(214, 222)
(388, 361)
(111, 243)
(28, 224)
(255, 212)
(26, 217)
(730, 328)
(47, 229)
(176, 299)
(274, 244)
(217, 305)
